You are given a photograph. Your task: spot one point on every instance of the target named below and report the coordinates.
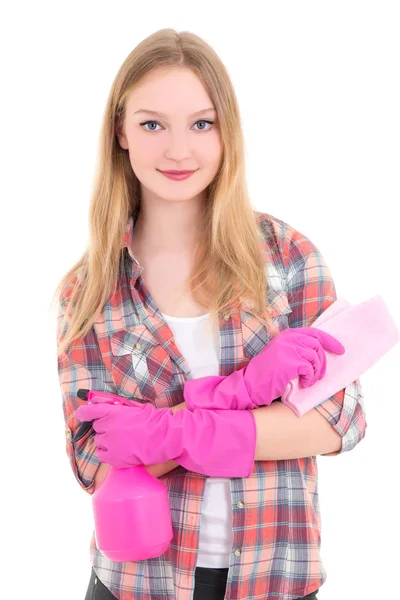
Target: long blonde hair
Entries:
(229, 265)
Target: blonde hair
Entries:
(229, 264)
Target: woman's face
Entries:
(180, 140)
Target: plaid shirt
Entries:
(130, 350)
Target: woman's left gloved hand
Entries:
(292, 353)
(219, 443)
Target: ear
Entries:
(119, 132)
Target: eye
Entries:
(201, 121)
(205, 121)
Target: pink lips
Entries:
(178, 175)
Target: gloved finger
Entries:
(305, 369)
(100, 441)
(310, 370)
(322, 362)
(309, 341)
(320, 371)
(327, 340)
(89, 412)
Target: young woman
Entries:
(184, 282)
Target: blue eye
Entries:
(201, 121)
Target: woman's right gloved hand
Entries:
(293, 352)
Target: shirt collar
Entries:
(127, 243)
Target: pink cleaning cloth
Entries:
(366, 330)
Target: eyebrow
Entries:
(153, 112)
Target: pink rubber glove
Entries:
(217, 443)
(293, 352)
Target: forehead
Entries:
(170, 92)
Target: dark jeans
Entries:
(210, 584)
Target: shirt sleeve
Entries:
(310, 291)
(80, 366)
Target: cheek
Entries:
(209, 150)
(216, 147)
(141, 152)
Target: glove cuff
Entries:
(218, 392)
(217, 443)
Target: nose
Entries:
(178, 146)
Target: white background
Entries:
(318, 89)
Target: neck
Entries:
(169, 226)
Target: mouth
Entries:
(176, 172)
(177, 175)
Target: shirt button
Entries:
(269, 309)
(138, 346)
(240, 504)
(227, 316)
(68, 433)
(237, 553)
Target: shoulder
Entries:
(272, 229)
(283, 239)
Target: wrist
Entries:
(157, 470)
(178, 407)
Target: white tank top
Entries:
(200, 348)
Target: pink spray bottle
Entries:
(131, 507)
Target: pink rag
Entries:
(367, 331)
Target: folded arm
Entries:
(280, 435)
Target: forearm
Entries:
(281, 434)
